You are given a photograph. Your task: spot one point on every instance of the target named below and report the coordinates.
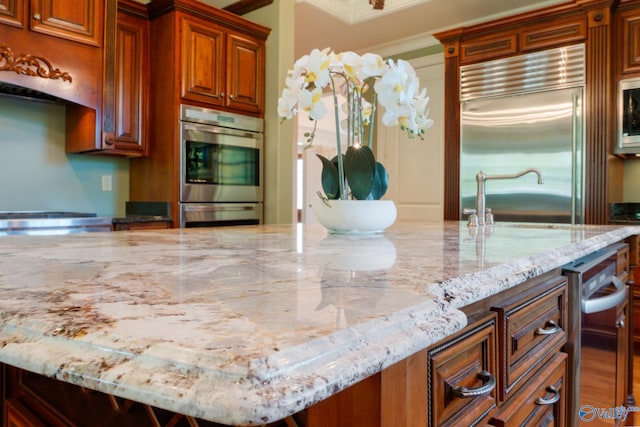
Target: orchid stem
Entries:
(341, 177)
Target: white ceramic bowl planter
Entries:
(355, 216)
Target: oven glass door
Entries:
(220, 165)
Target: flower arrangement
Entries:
(355, 174)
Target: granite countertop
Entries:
(247, 325)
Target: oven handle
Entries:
(609, 301)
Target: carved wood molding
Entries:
(29, 65)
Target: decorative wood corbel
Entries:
(29, 65)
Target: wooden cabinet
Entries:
(77, 20)
(628, 36)
(122, 128)
(220, 67)
(541, 402)
(12, 12)
(126, 122)
(507, 363)
(54, 47)
(202, 74)
(245, 73)
(461, 376)
(531, 330)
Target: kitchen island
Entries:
(248, 325)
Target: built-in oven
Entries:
(598, 340)
(221, 168)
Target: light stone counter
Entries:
(246, 325)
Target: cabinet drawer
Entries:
(464, 362)
(530, 329)
(542, 400)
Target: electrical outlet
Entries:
(107, 184)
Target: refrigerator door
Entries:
(505, 135)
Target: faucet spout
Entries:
(481, 179)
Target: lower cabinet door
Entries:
(462, 376)
(19, 416)
(541, 402)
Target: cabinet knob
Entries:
(231, 97)
(486, 388)
(620, 323)
(37, 16)
(109, 140)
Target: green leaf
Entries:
(380, 182)
(330, 180)
(360, 169)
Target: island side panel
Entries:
(395, 397)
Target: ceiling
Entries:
(355, 25)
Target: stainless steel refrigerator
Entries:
(525, 112)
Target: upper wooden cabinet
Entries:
(12, 12)
(54, 47)
(245, 73)
(628, 37)
(221, 67)
(126, 89)
(202, 61)
(121, 128)
(218, 59)
(77, 20)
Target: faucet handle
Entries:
(473, 217)
(488, 216)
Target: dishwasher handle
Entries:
(608, 301)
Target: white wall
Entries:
(35, 172)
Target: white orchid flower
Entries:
(287, 104)
(396, 85)
(311, 102)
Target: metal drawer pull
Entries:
(552, 400)
(490, 384)
(550, 328)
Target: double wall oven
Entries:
(221, 168)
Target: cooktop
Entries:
(43, 214)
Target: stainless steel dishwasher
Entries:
(597, 339)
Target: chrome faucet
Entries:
(482, 215)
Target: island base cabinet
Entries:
(462, 375)
(32, 400)
(394, 397)
(542, 401)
